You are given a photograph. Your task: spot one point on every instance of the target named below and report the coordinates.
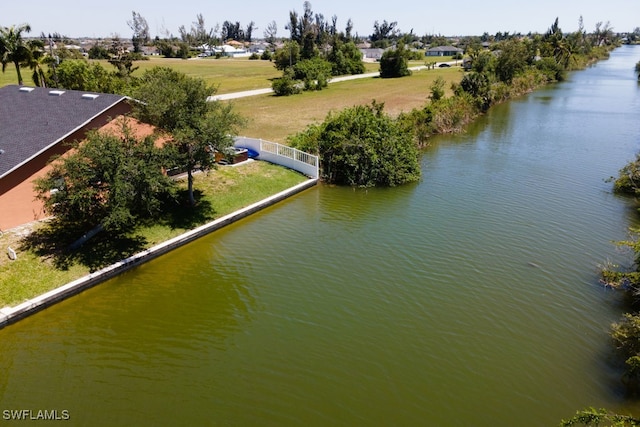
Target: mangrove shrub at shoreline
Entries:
(362, 146)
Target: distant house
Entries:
(444, 51)
(229, 50)
(36, 124)
(371, 54)
(150, 50)
(259, 47)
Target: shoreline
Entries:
(10, 315)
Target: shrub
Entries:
(285, 85)
(551, 69)
(628, 178)
(394, 63)
(362, 146)
(450, 115)
(314, 73)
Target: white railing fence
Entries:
(283, 155)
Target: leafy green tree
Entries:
(479, 87)
(165, 47)
(78, 74)
(383, 33)
(315, 73)
(179, 104)
(395, 62)
(512, 60)
(483, 61)
(113, 181)
(97, 51)
(74, 75)
(13, 48)
(287, 56)
(122, 59)
(362, 146)
(345, 58)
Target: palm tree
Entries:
(13, 48)
(36, 60)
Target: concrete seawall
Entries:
(10, 315)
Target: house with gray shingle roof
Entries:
(444, 51)
(36, 124)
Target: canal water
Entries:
(469, 298)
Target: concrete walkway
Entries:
(246, 93)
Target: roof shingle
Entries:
(33, 119)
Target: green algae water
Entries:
(470, 298)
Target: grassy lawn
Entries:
(274, 118)
(223, 191)
(227, 74)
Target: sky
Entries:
(76, 18)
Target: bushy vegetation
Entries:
(314, 73)
(395, 62)
(315, 51)
(285, 85)
(111, 180)
(626, 332)
(600, 418)
(362, 146)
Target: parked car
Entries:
(443, 65)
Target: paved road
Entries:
(243, 94)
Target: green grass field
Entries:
(274, 118)
(226, 74)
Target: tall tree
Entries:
(270, 33)
(121, 59)
(13, 48)
(140, 29)
(383, 32)
(179, 104)
(248, 33)
(198, 34)
(36, 60)
(512, 60)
